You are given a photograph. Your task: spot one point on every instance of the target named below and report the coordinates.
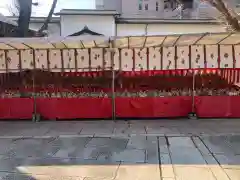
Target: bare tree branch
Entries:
(230, 18)
(48, 19)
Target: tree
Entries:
(48, 19)
(228, 16)
(25, 10)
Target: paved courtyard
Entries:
(123, 150)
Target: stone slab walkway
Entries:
(120, 128)
(132, 150)
(135, 158)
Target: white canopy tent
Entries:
(133, 53)
(231, 38)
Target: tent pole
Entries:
(193, 92)
(34, 98)
(113, 81)
(113, 95)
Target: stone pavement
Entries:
(120, 128)
(131, 150)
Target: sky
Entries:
(45, 5)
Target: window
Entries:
(156, 6)
(187, 4)
(140, 5)
(167, 4)
(146, 7)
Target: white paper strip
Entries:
(69, 60)
(212, 56)
(82, 60)
(41, 61)
(140, 59)
(226, 57)
(13, 60)
(237, 56)
(155, 58)
(197, 59)
(27, 59)
(168, 58)
(127, 59)
(55, 60)
(183, 57)
(116, 59)
(2, 62)
(97, 59)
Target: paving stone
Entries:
(56, 177)
(63, 129)
(17, 176)
(97, 129)
(201, 147)
(70, 141)
(228, 161)
(115, 144)
(137, 129)
(137, 142)
(62, 168)
(233, 174)
(180, 142)
(5, 144)
(130, 155)
(31, 147)
(187, 156)
(165, 159)
(215, 168)
(163, 147)
(234, 143)
(199, 172)
(161, 130)
(99, 142)
(138, 172)
(167, 171)
(217, 145)
(218, 172)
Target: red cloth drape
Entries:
(153, 107)
(73, 108)
(147, 107)
(217, 106)
(16, 108)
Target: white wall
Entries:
(159, 29)
(99, 23)
(163, 29)
(131, 29)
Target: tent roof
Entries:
(88, 41)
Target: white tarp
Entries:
(120, 42)
(135, 53)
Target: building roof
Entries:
(9, 27)
(126, 20)
(7, 20)
(36, 19)
(86, 31)
(87, 12)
